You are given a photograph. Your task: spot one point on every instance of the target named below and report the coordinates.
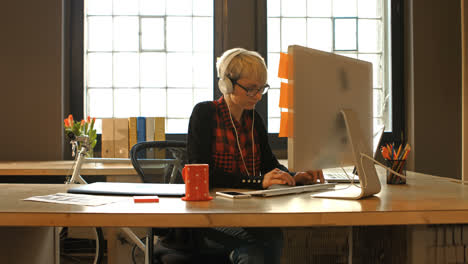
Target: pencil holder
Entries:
(398, 166)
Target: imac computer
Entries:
(332, 118)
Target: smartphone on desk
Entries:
(233, 195)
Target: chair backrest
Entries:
(159, 161)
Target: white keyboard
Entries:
(280, 189)
(337, 175)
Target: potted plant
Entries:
(85, 127)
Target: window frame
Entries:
(222, 25)
(397, 135)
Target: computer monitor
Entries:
(332, 115)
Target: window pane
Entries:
(98, 126)
(377, 102)
(273, 125)
(153, 102)
(345, 34)
(293, 32)
(153, 69)
(152, 33)
(370, 35)
(100, 33)
(126, 102)
(179, 69)
(126, 34)
(319, 8)
(274, 36)
(99, 70)
(377, 70)
(100, 102)
(175, 53)
(273, 8)
(370, 8)
(203, 34)
(332, 26)
(126, 70)
(125, 7)
(203, 8)
(99, 7)
(344, 8)
(200, 95)
(273, 103)
(273, 63)
(379, 122)
(293, 8)
(179, 102)
(348, 54)
(179, 7)
(179, 34)
(203, 70)
(177, 125)
(152, 7)
(319, 34)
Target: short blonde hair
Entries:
(247, 64)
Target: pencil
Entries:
(398, 152)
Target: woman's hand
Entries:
(277, 176)
(309, 177)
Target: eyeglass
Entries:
(252, 92)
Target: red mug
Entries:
(196, 178)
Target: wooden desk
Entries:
(64, 168)
(122, 171)
(423, 200)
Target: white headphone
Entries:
(224, 83)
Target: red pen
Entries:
(146, 199)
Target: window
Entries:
(151, 86)
(148, 58)
(354, 28)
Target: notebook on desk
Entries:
(131, 189)
(280, 189)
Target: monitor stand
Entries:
(369, 181)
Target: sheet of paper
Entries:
(78, 199)
(283, 66)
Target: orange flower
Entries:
(88, 119)
(70, 119)
(82, 122)
(67, 123)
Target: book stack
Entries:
(120, 134)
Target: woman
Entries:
(229, 135)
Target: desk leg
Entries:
(350, 245)
(111, 237)
(57, 244)
(149, 246)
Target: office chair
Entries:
(159, 161)
(162, 162)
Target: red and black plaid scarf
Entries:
(226, 154)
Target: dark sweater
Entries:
(200, 146)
